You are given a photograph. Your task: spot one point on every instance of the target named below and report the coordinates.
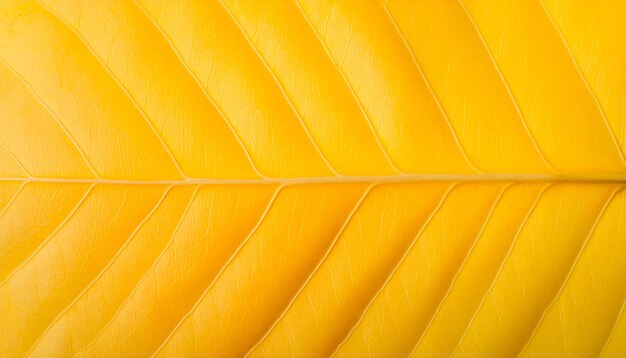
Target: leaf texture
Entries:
(312, 178)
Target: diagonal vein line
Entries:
(350, 88)
(315, 270)
(224, 267)
(102, 272)
(282, 89)
(508, 89)
(17, 161)
(506, 258)
(54, 116)
(204, 91)
(120, 85)
(613, 329)
(13, 198)
(396, 267)
(52, 234)
(619, 316)
(571, 270)
(585, 82)
(431, 91)
(458, 272)
(145, 275)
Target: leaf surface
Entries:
(312, 178)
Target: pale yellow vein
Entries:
(571, 270)
(102, 272)
(223, 268)
(315, 270)
(613, 329)
(458, 272)
(500, 269)
(585, 82)
(282, 89)
(204, 91)
(508, 89)
(17, 161)
(80, 150)
(395, 268)
(144, 277)
(350, 87)
(457, 140)
(47, 239)
(13, 198)
(120, 85)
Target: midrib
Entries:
(340, 179)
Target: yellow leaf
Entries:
(312, 178)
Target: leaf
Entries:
(312, 178)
